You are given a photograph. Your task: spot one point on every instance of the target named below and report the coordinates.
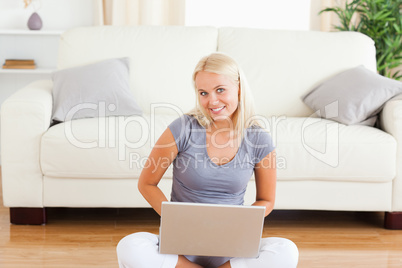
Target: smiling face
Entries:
(218, 95)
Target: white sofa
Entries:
(95, 162)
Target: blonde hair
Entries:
(220, 63)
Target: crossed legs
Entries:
(141, 250)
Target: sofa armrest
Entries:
(25, 117)
(391, 122)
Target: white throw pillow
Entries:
(95, 90)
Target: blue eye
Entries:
(220, 90)
(203, 93)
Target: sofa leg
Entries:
(33, 216)
(393, 220)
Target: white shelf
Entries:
(40, 46)
(27, 71)
(29, 32)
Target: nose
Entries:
(213, 100)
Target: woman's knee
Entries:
(141, 250)
(136, 249)
(138, 240)
(285, 249)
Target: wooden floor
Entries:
(88, 237)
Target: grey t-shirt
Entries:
(197, 179)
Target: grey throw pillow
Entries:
(354, 96)
(95, 90)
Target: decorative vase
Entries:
(35, 22)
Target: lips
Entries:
(217, 110)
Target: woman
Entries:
(214, 150)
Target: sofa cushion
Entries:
(320, 149)
(101, 88)
(281, 66)
(359, 95)
(357, 153)
(111, 147)
(162, 58)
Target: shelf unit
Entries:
(29, 32)
(24, 44)
(41, 46)
(27, 71)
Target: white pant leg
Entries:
(141, 250)
(274, 253)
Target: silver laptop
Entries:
(211, 230)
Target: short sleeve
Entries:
(180, 130)
(261, 142)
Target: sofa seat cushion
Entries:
(306, 148)
(111, 147)
(320, 149)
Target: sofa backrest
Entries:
(281, 66)
(162, 59)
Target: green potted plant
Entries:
(382, 21)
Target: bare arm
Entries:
(162, 155)
(265, 180)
